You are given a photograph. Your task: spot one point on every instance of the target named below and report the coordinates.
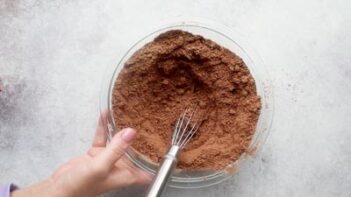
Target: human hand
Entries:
(101, 169)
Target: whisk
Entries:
(184, 130)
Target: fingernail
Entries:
(128, 134)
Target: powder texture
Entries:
(177, 70)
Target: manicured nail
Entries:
(128, 134)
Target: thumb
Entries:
(117, 147)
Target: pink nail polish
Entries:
(128, 134)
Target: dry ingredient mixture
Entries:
(178, 70)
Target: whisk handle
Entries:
(164, 173)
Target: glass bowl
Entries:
(232, 41)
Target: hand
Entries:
(101, 169)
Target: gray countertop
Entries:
(53, 55)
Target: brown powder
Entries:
(178, 70)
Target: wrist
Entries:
(63, 187)
(43, 188)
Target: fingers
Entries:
(139, 176)
(124, 178)
(94, 151)
(125, 174)
(142, 177)
(100, 134)
(116, 148)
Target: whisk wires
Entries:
(185, 128)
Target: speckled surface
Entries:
(53, 55)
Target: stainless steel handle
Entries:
(164, 173)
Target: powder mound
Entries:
(177, 70)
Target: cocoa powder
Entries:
(178, 70)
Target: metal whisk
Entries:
(184, 130)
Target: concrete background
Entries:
(53, 55)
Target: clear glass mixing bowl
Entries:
(234, 42)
